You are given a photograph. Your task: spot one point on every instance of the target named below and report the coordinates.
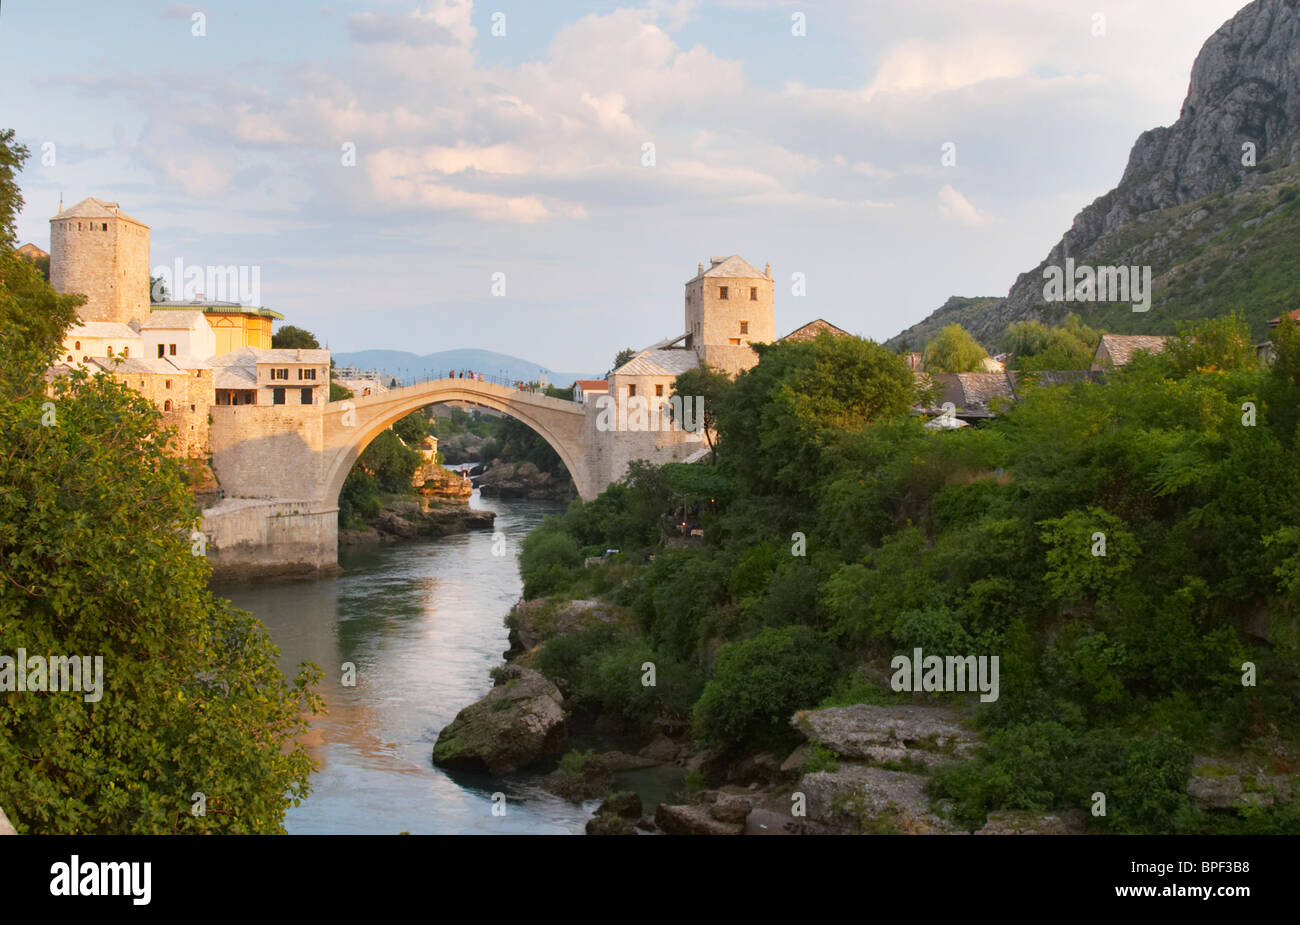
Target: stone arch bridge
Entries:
(349, 426)
(281, 467)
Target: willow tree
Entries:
(192, 727)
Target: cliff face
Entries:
(1245, 87)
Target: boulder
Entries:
(533, 622)
(519, 722)
(926, 735)
(610, 824)
(689, 819)
(624, 803)
(874, 800)
(1023, 822)
(730, 807)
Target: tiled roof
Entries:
(1293, 315)
(210, 307)
(659, 363)
(175, 320)
(734, 266)
(136, 365)
(90, 207)
(813, 328)
(103, 329)
(593, 385)
(251, 356)
(1121, 347)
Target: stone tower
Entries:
(728, 307)
(100, 251)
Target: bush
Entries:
(759, 683)
(547, 560)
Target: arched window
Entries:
(77, 345)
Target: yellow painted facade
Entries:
(236, 330)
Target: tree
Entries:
(290, 337)
(1035, 346)
(158, 292)
(711, 387)
(623, 356)
(98, 543)
(953, 350)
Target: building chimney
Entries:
(714, 261)
(700, 265)
(767, 270)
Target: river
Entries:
(423, 624)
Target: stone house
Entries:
(184, 396)
(249, 376)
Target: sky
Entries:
(541, 178)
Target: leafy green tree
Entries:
(1035, 346)
(953, 350)
(98, 535)
(623, 356)
(158, 291)
(290, 337)
(711, 387)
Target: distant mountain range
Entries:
(410, 367)
(1211, 203)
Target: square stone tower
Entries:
(728, 307)
(100, 251)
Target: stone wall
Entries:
(184, 398)
(268, 452)
(252, 538)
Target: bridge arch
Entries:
(350, 426)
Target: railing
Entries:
(414, 377)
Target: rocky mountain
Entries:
(1217, 223)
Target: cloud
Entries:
(443, 22)
(955, 207)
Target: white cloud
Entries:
(955, 207)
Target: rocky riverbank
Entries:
(524, 480)
(414, 518)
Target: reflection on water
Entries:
(423, 624)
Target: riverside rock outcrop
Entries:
(518, 723)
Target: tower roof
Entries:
(90, 207)
(734, 266)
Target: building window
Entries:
(631, 391)
(77, 345)
(167, 405)
(659, 391)
(167, 383)
(126, 351)
(194, 407)
(277, 396)
(171, 348)
(753, 293)
(306, 374)
(161, 348)
(279, 374)
(110, 351)
(306, 396)
(734, 341)
(744, 327)
(722, 292)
